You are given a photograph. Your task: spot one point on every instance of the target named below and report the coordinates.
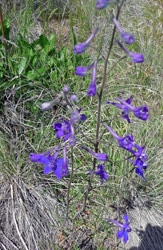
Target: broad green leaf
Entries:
(33, 74)
(43, 56)
(21, 65)
(43, 41)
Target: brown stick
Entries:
(4, 41)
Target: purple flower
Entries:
(73, 98)
(51, 163)
(102, 173)
(101, 4)
(127, 143)
(124, 142)
(81, 47)
(125, 228)
(139, 169)
(75, 117)
(141, 112)
(92, 87)
(122, 106)
(99, 156)
(136, 58)
(38, 158)
(81, 71)
(63, 129)
(140, 161)
(127, 38)
(139, 151)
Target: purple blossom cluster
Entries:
(59, 166)
(127, 143)
(65, 129)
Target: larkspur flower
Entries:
(81, 47)
(127, 143)
(51, 163)
(127, 38)
(136, 58)
(99, 156)
(102, 173)
(140, 166)
(101, 4)
(140, 161)
(81, 71)
(138, 151)
(76, 116)
(63, 129)
(122, 106)
(124, 142)
(92, 87)
(125, 228)
(140, 112)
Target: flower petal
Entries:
(125, 217)
(81, 47)
(125, 234)
(136, 58)
(101, 4)
(92, 87)
(59, 172)
(47, 169)
(39, 158)
(120, 234)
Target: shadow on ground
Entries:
(151, 238)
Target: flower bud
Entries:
(66, 89)
(47, 105)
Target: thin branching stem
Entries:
(69, 183)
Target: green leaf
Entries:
(51, 42)
(21, 65)
(34, 74)
(72, 30)
(6, 25)
(34, 60)
(22, 43)
(43, 41)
